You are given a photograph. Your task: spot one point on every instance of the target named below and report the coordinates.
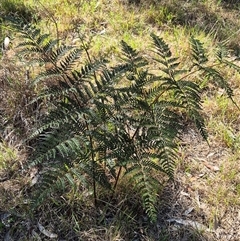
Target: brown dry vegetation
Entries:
(202, 203)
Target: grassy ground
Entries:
(203, 202)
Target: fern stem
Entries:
(93, 174)
(88, 55)
(93, 165)
(117, 179)
(195, 71)
(94, 182)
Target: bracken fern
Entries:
(109, 122)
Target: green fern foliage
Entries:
(209, 72)
(198, 52)
(104, 122)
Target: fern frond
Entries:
(97, 172)
(215, 76)
(147, 186)
(186, 93)
(164, 57)
(50, 45)
(46, 185)
(231, 65)
(53, 146)
(56, 54)
(52, 180)
(69, 60)
(58, 119)
(132, 57)
(35, 42)
(161, 48)
(198, 52)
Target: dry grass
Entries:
(210, 177)
(206, 189)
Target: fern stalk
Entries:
(92, 163)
